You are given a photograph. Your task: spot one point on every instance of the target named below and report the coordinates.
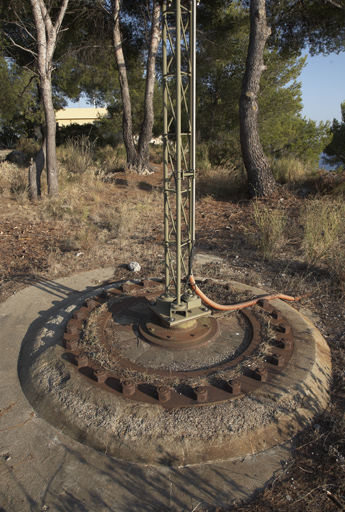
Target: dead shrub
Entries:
(271, 229)
(322, 221)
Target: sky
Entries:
(323, 87)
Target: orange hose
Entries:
(240, 305)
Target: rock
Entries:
(17, 157)
(134, 266)
(304, 192)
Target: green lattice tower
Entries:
(179, 131)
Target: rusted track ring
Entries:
(184, 396)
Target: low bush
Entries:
(222, 181)
(271, 229)
(291, 170)
(322, 221)
(77, 155)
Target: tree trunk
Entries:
(35, 171)
(50, 126)
(146, 128)
(47, 33)
(260, 179)
(126, 99)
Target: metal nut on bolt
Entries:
(128, 387)
(201, 393)
(263, 303)
(163, 393)
(285, 328)
(71, 329)
(261, 374)
(91, 304)
(79, 315)
(81, 360)
(287, 344)
(235, 387)
(100, 375)
(278, 360)
(72, 345)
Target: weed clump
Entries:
(322, 222)
(291, 170)
(271, 225)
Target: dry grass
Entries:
(271, 229)
(323, 221)
(220, 182)
(292, 171)
(13, 180)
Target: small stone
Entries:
(304, 192)
(316, 427)
(288, 497)
(134, 266)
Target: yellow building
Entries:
(79, 115)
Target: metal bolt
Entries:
(91, 304)
(287, 344)
(79, 315)
(260, 374)
(81, 360)
(100, 375)
(72, 345)
(285, 328)
(71, 329)
(204, 309)
(278, 360)
(277, 315)
(263, 303)
(235, 387)
(163, 393)
(152, 303)
(201, 393)
(128, 387)
(171, 319)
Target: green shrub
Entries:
(75, 131)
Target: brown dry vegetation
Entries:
(103, 218)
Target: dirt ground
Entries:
(47, 246)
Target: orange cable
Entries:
(240, 305)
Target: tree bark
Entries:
(127, 126)
(260, 179)
(137, 160)
(47, 33)
(35, 171)
(147, 126)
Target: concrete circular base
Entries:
(51, 442)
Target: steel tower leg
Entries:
(178, 303)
